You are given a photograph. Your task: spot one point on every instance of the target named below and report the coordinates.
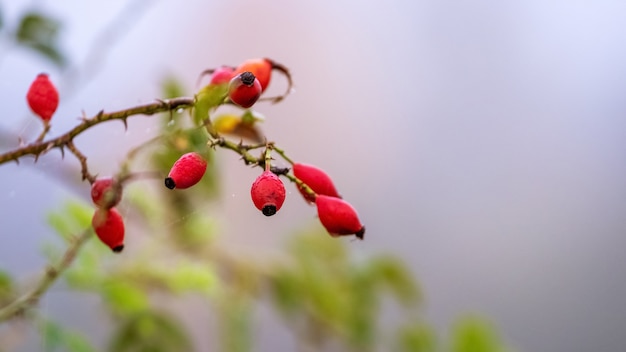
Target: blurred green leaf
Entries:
(198, 231)
(150, 331)
(52, 335)
(287, 292)
(473, 334)
(124, 297)
(71, 219)
(394, 274)
(40, 33)
(61, 224)
(6, 288)
(77, 343)
(235, 323)
(86, 272)
(416, 337)
(81, 213)
(58, 338)
(208, 98)
(172, 88)
(188, 276)
(364, 305)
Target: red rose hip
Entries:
(109, 227)
(105, 193)
(338, 217)
(186, 171)
(222, 75)
(43, 97)
(261, 68)
(316, 179)
(268, 193)
(244, 89)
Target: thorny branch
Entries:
(66, 140)
(38, 148)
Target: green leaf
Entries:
(124, 297)
(172, 88)
(61, 224)
(150, 331)
(472, 334)
(77, 343)
(40, 33)
(189, 276)
(73, 218)
(6, 288)
(286, 290)
(52, 335)
(209, 97)
(81, 213)
(392, 273)
(416, 337)
(236, 323)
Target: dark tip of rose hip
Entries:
(169, 183)
(269, 210)
(247, 78)
(118, 248)
(361, 233)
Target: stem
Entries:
(51, 274)
(38, 148)
(301, 185)
(282, 154)
(46, 129)
(268, 158)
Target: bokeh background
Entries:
(484, 143)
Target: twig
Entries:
(51, 274)
(39, 148)
(84, 169)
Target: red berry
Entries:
(338, 217)
(244, 89)
(186, 171)
(109, 227)
(105, 194)
(268, 193)
(261, 68)
(43, 97)
(316, 179)
(222, 75)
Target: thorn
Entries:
(17, 161)
(84, 116)
(62, 151)
(99, 114)
(124, 120)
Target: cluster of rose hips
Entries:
(246, 83)
(268, 191)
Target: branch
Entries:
(38, 148)
(51, 274)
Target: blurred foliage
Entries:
(150, 331)
(40, 33)
(473, 334)
(59, 338)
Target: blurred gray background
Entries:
(483, 142)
